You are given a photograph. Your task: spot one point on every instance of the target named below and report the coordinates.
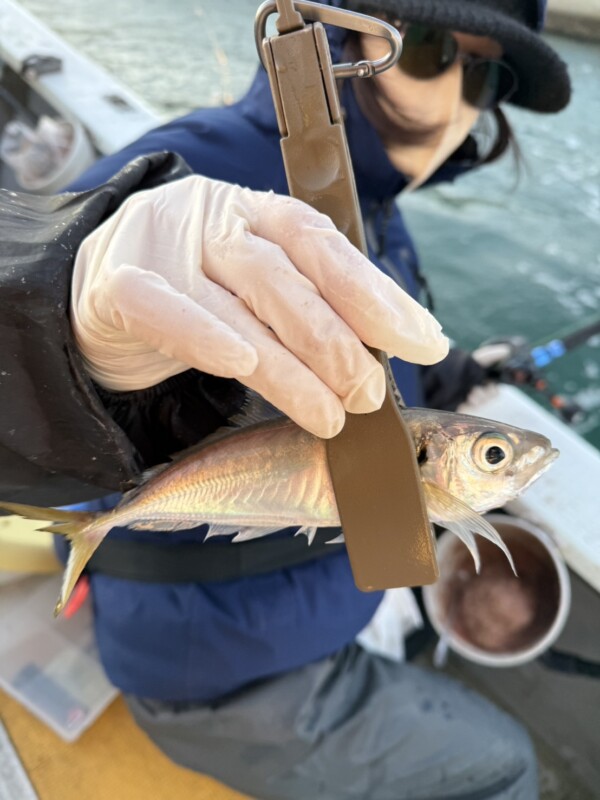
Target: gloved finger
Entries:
(261, 274)
(373, 305)
(490, 354)
(280, 377)
(148, 308)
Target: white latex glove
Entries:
(490, 354)
(247, 285)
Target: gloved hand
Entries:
(493, 354)
(487, 356)
(247, 285)
(452, 381)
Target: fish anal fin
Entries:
(310, 531)
(246, 533)
(221, 529)
(242, 533)
(167, 525)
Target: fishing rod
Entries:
(523, 365)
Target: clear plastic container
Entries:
(51, 665)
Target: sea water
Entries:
(507, 252)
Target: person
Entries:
(136, 309)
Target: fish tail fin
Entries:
(83, 546)
(53, 515)
(82, 530)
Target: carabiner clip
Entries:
(341, 18)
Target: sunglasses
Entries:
(428, 52)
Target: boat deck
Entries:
(112, 759)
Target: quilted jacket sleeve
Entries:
(58, 442)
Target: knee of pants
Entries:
(506, 766)
(519, 750)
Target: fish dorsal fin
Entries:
(447, 510)
(255, 410)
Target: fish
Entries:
(250, 480)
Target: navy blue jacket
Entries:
(197, 642)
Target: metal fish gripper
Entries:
(372, 461)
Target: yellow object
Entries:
(25, 549)
(113, 759)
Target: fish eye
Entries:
(492, 452)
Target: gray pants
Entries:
(351, 727)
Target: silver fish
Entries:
(255, 480)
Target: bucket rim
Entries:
(477, 655)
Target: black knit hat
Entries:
(544, 83)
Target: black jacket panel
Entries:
(57, 440)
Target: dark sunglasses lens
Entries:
(427, 52)
(487, 83)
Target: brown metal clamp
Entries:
(372, 461)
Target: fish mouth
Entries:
(550, 458)
(544, 466)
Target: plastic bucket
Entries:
(495, 618)
(78, 158)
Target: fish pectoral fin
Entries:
(447, 510)
(460, 529)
